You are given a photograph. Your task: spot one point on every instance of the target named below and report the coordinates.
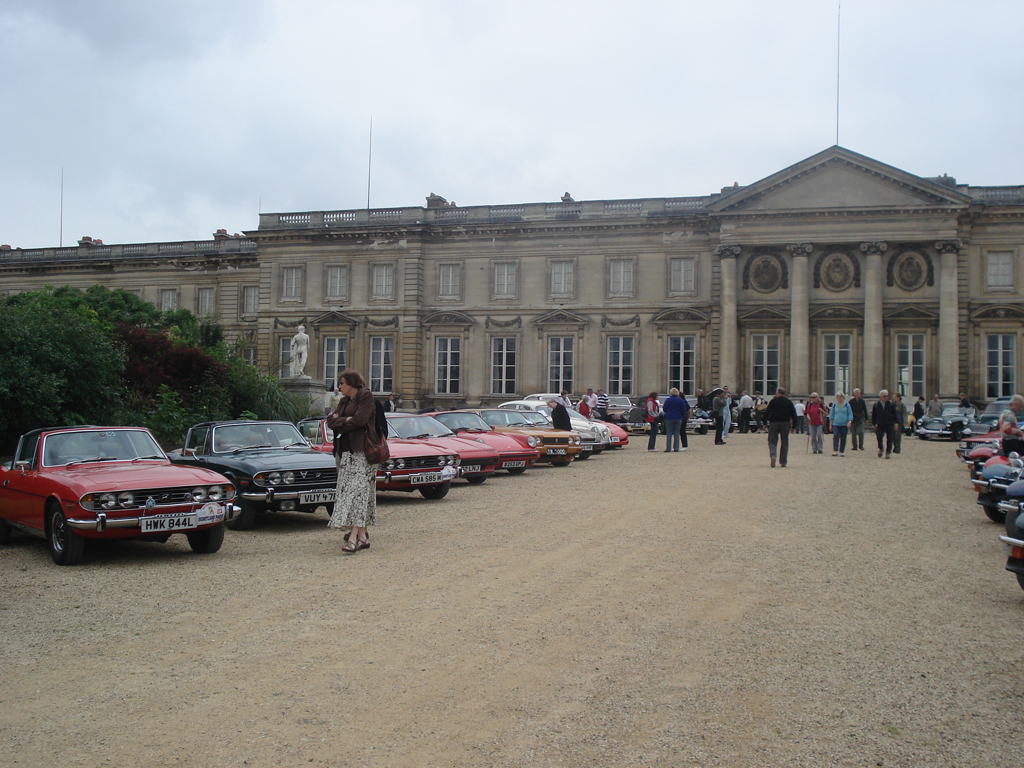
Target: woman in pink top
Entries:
(815, 413)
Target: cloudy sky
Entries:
(173, 119)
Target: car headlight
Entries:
(288, 478)
(215, 493)
(126, 500)
(389, 464)
(108, 501)
(400, 463)
(199, 494)
(577, 439)
(531, 441)
(274, 478)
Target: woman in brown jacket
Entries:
(355, 501)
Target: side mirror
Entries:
(21, 465)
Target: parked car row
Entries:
(73, 484)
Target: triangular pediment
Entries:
(680, 315)
(837, 312)
(999, 312)
(561, 317)
(334, 318)
(913, 313)
(838, 179)
(448, 317)
(765, 313)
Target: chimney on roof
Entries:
(436, 201)
(221, 234)
(5, 247)
(86, 240)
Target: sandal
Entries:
(364, 544)
(350, 546)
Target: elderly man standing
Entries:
(746, 410)
(934, 406)
(781, 418)
(883, 415)
(860, 415)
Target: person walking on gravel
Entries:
(781, 418)
(815, 413)
(652, 411)
(840, 418)
(883, 416)
(859, 408)
(901, 421)
(676, 410)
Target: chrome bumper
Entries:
(1011, 541)
(1008, 506)
(101, 523)
(272, 494)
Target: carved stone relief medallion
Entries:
(837, 272)
(765, 275)
(909, 271)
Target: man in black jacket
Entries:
(883, 415)
(860, 415)
(559, 416)
(781, 418)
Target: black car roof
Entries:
(229, 422)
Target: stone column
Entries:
(799, 321)
(873, 343)
(728, 352)
(949, 318)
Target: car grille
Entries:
(165, 497)
(418, 462)
(305, 479)
(556, 441)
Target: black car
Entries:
(269, 462)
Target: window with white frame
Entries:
(505, 280)
(382, 352)
(335, 354)
(291, 283)
(447, 364)
(837, 355)
(681, 275)
(168, 299)
(1000, 270)
(503, 365)
(1001, 365)
(337, 282)
(620, 365)
(285, 356)
(383, 285)
(250, 299)
(620, 277)
(248, 354)
(205, 302)
(682, 364)
(764, 362)
(910, 364)
(449, 281)
(562, 283)
(560, 363)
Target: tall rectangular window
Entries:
(1000, 270)
(383, 281)
(560, 362)
(250, 299)
(681, 276)
(837, 355)
(285, 356)
(503, 365)
(764, 362)
(682, 364)
(335, 354)
(449, 281)
(337, 282)
(1001, 365)
(620, 277)
(448, 359)
(204, 302)
(248, 355)
(291, 283)
(910, 364)
(562, 278)
(505, 279)
(381, 364)
(620, 365)
(168, 299)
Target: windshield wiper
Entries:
(296, 445)
(94, 458)
(251, 447)
(140, 458)
(420, 437)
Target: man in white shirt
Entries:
(799, 417)
(746, 409)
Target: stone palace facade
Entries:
(839, 271)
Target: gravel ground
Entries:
(692, 609)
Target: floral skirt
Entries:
(355, 502)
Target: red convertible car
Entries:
(515, 455)
(477, 459)
(413, 466)
(70, 484)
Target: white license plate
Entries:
(588, 447)
(513, 464)
(169, 523)
(316, 497)
(431, 477)
(556, 451)
(615, 439)
(469, 469)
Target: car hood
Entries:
(108, 475)
(251, 462)
(464, 446)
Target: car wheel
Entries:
(245, 519)
(994, 514)
(436, 491)
(5, 532)
(475, 479)
(583, 455)
(923, 437)
(208, 541)
(1012, 529)
(516, 470)
(956, 430)
(66, 546)
(702, 430)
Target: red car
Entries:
(514, 454)
(477, 459)
(70, 484)
(414, 465)
(620, 437)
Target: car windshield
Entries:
(418, 427)
(65, 448)
(501, 418)
(463, 421)
(540, 417)
(232, 438)
(997, 406)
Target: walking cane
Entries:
(808, 448)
